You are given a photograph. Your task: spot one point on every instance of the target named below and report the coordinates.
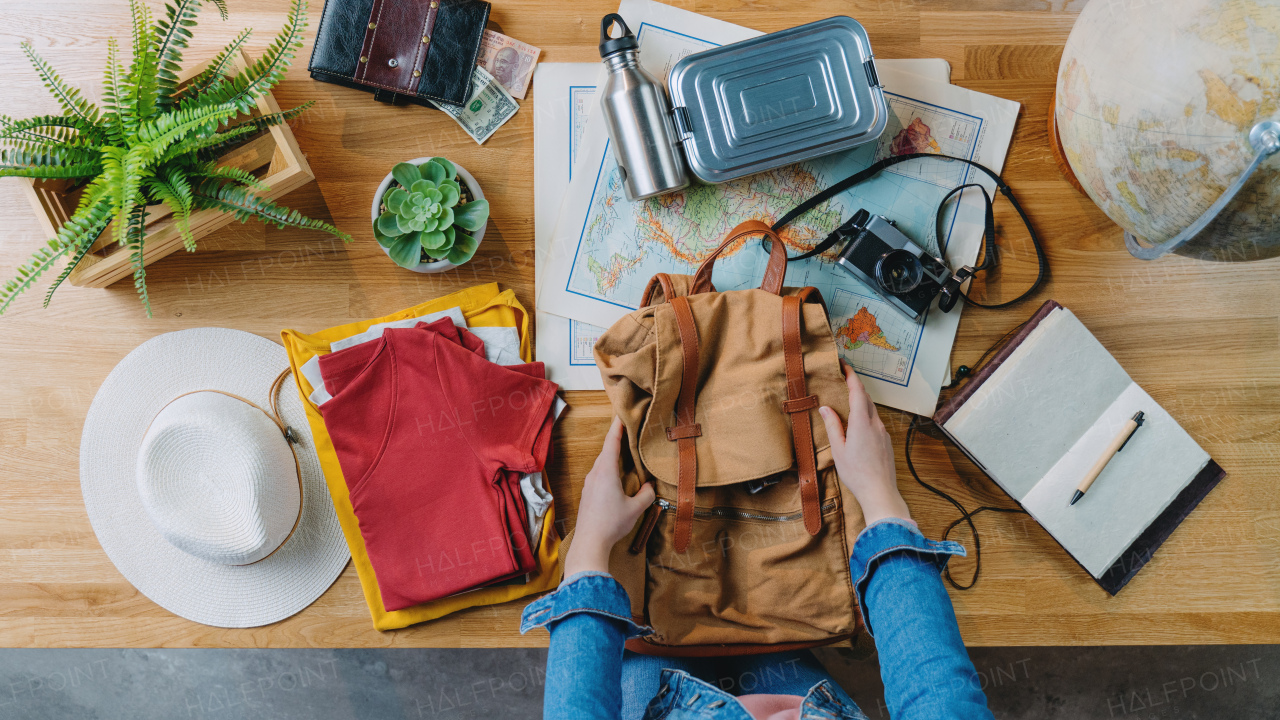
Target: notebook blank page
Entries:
(1136, 486)
(1034, 407)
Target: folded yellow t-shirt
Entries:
(482, 306)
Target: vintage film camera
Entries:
(900, 271)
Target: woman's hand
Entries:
(605, 513)
(864, 456)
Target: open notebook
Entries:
(1038, 416)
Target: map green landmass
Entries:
(691, 223)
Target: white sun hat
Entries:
(193, 488)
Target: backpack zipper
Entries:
(723, 512)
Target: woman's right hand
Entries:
(864, 454)
(605, 512)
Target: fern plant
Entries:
(152, 141)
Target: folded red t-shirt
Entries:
(428, 432)
(516, 513)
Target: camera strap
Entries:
(988, 235)
(989, 260)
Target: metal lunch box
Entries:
(777, 99)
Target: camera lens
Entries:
(899, 271)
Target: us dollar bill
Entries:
(508, 60)
(489, 106)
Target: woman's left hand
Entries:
(605, 513)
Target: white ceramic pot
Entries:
(476, 194)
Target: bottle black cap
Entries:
(610, 45)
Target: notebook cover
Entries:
(1140, 552)
(1144, 547)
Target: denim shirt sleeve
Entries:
(926, 670)
(589, 617)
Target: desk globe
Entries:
(1155, 104)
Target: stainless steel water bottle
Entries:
(645, 144)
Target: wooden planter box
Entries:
(272, 155)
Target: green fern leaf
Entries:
(209, 150)
(244, 205)
(68, 97)
(217, 69)
(84, 226)
(182, 189)
(115, 176)
(49, 128)
(262, 122)
(142, 85)
(66, 271)
(235, 175)
(166, 129)
(137, 237)
(61, 152)
(269, 69)
(205, 148)
(28, 273)
(44, 163)
(112, 95)
(172, 36)
(181, 209)
(94, 192)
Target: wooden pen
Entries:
(1117, 444)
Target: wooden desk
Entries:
(1201, 338)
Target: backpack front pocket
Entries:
(749, 576)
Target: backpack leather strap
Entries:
(685, 429)
(773, 273)
(797, 406)
(660, 283)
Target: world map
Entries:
(623, 244)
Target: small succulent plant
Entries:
(422, 215)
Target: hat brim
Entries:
(231, 596)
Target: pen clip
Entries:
(1137, 418)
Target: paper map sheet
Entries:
(604, 249)
(563, 99)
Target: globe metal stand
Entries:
(1265, 138)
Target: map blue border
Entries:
(573, 324)
(573, 147)
(573, 152)
(910, 366)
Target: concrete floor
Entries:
(1121, 683)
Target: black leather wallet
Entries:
(403, 51)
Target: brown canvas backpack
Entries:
(719, 393)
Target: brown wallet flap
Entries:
(396, 44)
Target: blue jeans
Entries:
(926, 670)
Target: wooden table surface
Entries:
(1202, 338)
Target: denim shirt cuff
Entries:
(585, 592)
(889, 536)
